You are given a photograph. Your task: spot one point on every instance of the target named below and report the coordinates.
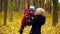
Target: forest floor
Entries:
(12, 27)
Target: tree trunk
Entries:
(35, 3)
(5, 11)
(28, 3)
(31, 2)
(40, 3)
(10, 9)
(18, 5)
(55, 12)
(22, 4)
(0, 5)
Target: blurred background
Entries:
(12, 11)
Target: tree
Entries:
(22, 4)
(28, 3)
(10, 8)
(42, 3)
(36, 3)
(55, 12)
(19, 5)
(1, 5)
(5, 11)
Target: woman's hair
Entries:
(40, 11)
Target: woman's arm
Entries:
(30, 22)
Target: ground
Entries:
(12, 27)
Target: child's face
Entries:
(31, 12)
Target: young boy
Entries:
(28, 13)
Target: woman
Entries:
(37, 21)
